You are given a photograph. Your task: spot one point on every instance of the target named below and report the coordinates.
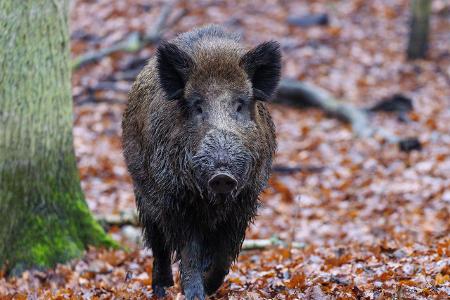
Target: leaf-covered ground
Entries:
(374, 221)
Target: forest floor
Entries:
(372, 222)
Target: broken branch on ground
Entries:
(133, 42)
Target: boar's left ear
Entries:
(263, 67)
(174, 66)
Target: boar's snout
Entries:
(222, 163)
(222, 183)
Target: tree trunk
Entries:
(420, 23)
(43, 216)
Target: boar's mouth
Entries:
(222, 183)
(216, 183)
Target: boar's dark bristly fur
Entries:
(198, 142)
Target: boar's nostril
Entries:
(222, 183)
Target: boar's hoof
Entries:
(222, 183)
(160, 282)
(159, 291)
(194, 293)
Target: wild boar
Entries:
(198, 141)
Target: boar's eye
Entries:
(240, 103)
(239, 107)
(196, 105)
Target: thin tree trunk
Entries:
(420, 23)
(43, 216)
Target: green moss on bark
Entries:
(43, 216)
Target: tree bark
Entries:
(420, 23)
(44, 218)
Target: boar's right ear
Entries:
(173, 65)
(263, 67)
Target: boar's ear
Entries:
(263, 67)
(173, 65)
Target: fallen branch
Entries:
(297, 93)
(261, 244)
(133, 42)
(129, 75)
(280, 169)
(116, 86)
(96, 100)
(130, 217)
(397, 103)
(125, 217)
(154, 34)
(303, 94)
(419, 29)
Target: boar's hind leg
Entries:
(191, 270)
(162, 269)
(215, 275)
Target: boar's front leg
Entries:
(215, 275)
(191, 270)
(162, 269)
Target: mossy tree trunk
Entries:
(420, 24)
(44, 218)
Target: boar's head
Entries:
(217, 87)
